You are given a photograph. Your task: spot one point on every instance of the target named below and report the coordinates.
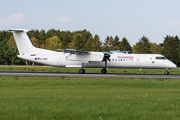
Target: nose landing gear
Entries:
(167, 72)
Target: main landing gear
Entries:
(167, 72)
(106, 58)
(103, 71)
(81, 71)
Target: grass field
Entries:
(88, 70)
(48, 98)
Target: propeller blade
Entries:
(106, 58)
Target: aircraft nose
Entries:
(172, 65)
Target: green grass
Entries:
(89, 98)
(88, 70)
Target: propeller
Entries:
(106, 58)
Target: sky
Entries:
(132, 19)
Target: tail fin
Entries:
(23, 42)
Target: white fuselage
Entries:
(117, 60)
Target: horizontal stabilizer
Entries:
(18, 30)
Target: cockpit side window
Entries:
(163, 58)
(160, 58)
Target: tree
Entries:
(4, 56)
(35, 41)
(177, 42)
(77, 42)
(106, 47)
(66, 38)
(116, 43)
(53, 43)
(134, 49)
(170, 49)
(14, 60)
(143, 46)
(12, 51)
(5, 35)
(155, 49)
(96, 44)
(34, 33)
(41, 37)
(51, 33)
(80, 40)
(111, 43)
(124, 45)
(89, 45)
(11, 43)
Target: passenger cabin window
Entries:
(160, 58)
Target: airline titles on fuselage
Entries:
(124, 57)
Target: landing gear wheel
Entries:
(103, 71)
(167, 72)
(81, 71)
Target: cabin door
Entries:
(138, 62)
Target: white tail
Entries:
(23, 42)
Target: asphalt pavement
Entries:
(170, 76)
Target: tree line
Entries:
(83, 40)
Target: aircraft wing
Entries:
(118, 51)
(73, 51)
(85, 56)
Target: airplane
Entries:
(87, 59)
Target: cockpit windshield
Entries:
(160, 58)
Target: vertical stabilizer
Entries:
(23, 42)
